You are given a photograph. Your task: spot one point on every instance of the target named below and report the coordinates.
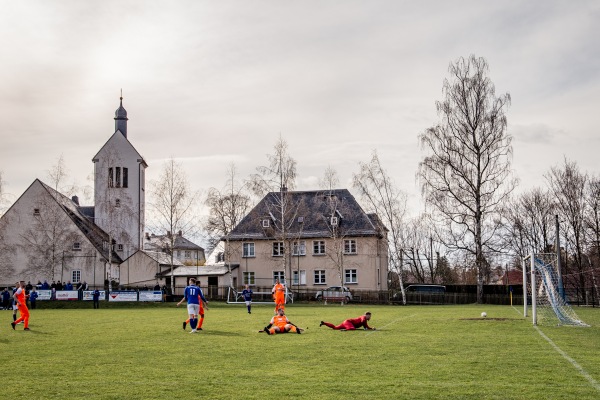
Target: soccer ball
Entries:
(483, 314)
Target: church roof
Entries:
(158, 242)
(97, 237)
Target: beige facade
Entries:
(314, 264)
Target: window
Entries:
(178, 253)
(299, 248)
(76, 276)
(119, 247)
(248, 250)
(248, 278)
(220, 256)
(266, 223)
(299, 277)
(76, 246)
(125, 178)
(111, 182)
(36, 211)
(117, 202)
(278, 275)
(334, 221)
(350, 246)
(350, 276)
(319, 247)
(187, 254)
(118, 177)
(319, 277)
(278, 249)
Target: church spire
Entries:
(121, 118)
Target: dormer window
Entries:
(334, 221)
(77, 246)
(266, 223)
(36, 212)
(119, 247)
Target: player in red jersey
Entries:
(21, 301)
(352, 323)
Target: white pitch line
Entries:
(574, 363)
(391, 323)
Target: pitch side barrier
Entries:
(113, 295)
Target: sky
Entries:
(211, 83)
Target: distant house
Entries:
(310, 240)
(184, 250)
(149, 268)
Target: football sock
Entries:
(200, 321)
(193, 323)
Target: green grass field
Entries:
(431, 352)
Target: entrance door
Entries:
(213, 286)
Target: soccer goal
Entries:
(234, 296)
(544, 287)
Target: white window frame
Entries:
(278, 249)
(319, 245)
(76, 276)
(350, 246)
(248, 278)
(266, 223)
(301, 274)
(187, 254)
(302, 247)
(320, 277)
(279, 275)
(248, 250)
(350, 276)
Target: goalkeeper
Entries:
(351, 324)
(281, 324)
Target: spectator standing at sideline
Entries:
(96, 298)
(33, 295)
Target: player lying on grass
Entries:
(351, 324)
(281, 324)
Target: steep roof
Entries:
(97, 237)
(308, 215)
(158, 242)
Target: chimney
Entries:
(75, 199)
(181, 233)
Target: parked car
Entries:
(335, 291)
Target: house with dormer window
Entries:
(310, 240)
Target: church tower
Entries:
(119, 189)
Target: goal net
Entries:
(544, 287)
(261, 294)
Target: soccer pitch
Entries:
(417, 352)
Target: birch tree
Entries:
(465, 175)
(381, 196)
(173, 205)
(226, 209)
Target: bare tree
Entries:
(421, 252)
(528, 223)
(2, 194)
(381, 196)
(173, 204)
(330, 179)
(568, 185)
(226, 209)
(274, 183)
(466, 174)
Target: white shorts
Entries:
(193, 309)
(15, 307)
(248, 302)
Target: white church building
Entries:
(45, 235)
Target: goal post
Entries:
(549, 305)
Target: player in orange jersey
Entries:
(21, 301)
(281, 324)
(352, 323)
(278, 293)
